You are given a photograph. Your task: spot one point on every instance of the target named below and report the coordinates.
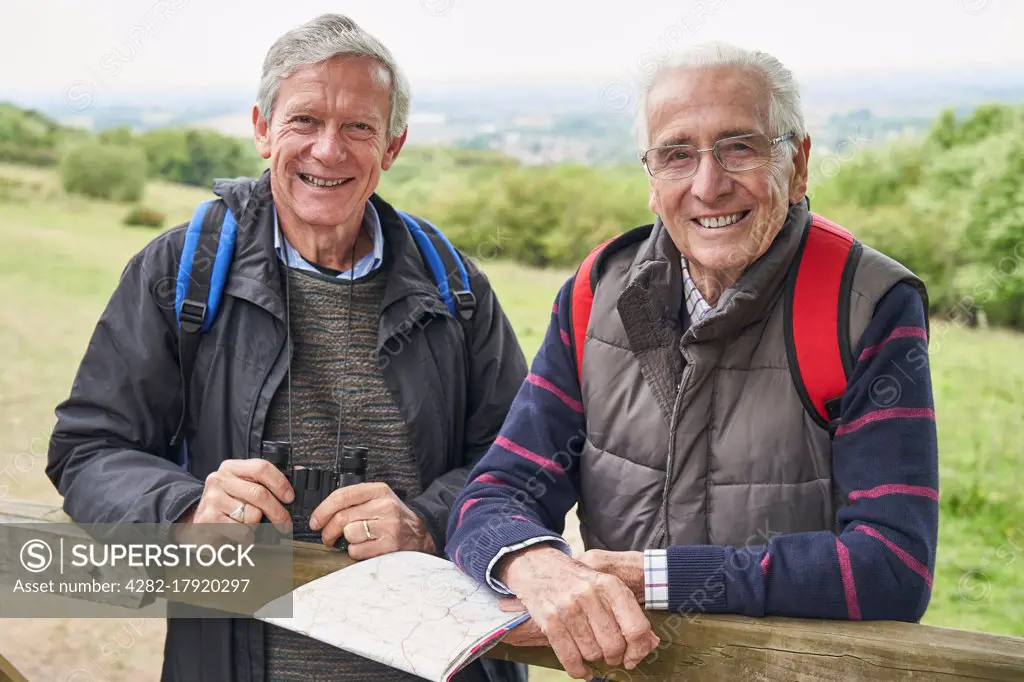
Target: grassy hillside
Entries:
(62, 256)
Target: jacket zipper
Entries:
(259, 394)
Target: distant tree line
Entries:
(491, 206)
(27, 136)
(949, 204)
(187, 155)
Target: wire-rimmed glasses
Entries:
(734, 154)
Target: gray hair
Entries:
(325, 37)
(784, 113)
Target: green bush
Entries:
(145, 217)
(197, 157)
(873, 176)
(950, 207)
(29, 137)
(104, 171)
(10, 189)
(985, 121)
(13, 152)
(119, 135)
(491, 207)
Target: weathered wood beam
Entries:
(8, 673)
(302, 561)
(720, 648)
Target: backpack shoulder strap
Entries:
(445, 264)
(581, 303)
(202, 271)
(584, 285)
(817, 312)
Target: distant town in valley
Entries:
(583, 123)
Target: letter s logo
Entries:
(36, 556)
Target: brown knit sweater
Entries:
(331, 375)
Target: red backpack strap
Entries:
(586, 282)
(582, 302)
(818, 317)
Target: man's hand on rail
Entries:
(586, 615)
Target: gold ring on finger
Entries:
(239, 513)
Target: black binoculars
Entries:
(313, 485)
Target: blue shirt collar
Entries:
(367, 264)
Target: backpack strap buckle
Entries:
(465, 303)
(191, 315)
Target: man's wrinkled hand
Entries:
(527, 633)
(586, 616)
(255, 483)
(252, 487)
(353, 510)
(626, 566)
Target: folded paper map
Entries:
(408, 610)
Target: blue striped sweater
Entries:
(877, 564)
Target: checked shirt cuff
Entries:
(656, 579)
(499, 586)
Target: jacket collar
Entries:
(650, 303)
(656, 273)
(410, 293)
(256, 271)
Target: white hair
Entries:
(323, 38)
(784, 113)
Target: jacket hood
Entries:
(236, 192)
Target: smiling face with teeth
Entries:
(327, 143)
(720, 221)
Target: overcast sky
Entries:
(186, 45)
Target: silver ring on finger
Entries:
(239, 513)
(366, 527)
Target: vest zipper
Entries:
(662, 540)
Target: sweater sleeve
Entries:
(878, 563)
(520, 491)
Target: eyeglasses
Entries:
(734, 154)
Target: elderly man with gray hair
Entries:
(738, 397)
(344, 328)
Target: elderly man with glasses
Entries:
(677, 400)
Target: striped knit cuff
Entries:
(656, 579)
(696, 578)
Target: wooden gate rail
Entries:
(722, 647)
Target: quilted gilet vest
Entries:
(698, 436)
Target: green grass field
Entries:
(61, 257)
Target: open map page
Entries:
(408, 610)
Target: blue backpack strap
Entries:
(203, 268)
(202, 271)
(445, 264)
